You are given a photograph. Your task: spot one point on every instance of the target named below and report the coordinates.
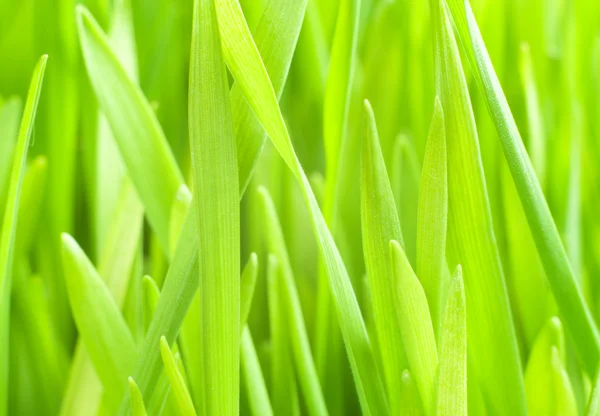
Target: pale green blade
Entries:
(451, 391)
(567, 293)
(213, 153)
(245, 64)
(253, 377)
(415, 324)
(380, 224)
(10, 116)
(106, 336)
(471, 240)
(30, 207)
(178, 387)
(9, 223)
(433, 217)
(290, 302)
(143, 145)
(593, 408)
(137, 403)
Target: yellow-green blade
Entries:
(178, 387)
(9, 223)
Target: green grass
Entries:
(286, 207)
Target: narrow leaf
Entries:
(178, 387)
(380, 224)
(452, 374)
(9, 223)
(415, 324)
(253, 377)
(137, 403)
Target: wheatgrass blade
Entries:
(471, 239)
(9, 223)
(380, 224)
(178, 387)
(574, 311)
(137, 403)
(247, 68)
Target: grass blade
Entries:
(433, 217)
(290, 303)
(244, 62)
(576, 315)
(137, 403)
(247, 286)
(452, 372)
(410, 401)
(9, 223)
(415, 324)
(380, 224)
(214, 163)
(253, 377)
(178, 387)
(101, 325)
(141, 141)
(471, 239)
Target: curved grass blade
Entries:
(290, 303)
(452, 373)
(10, 115)
(471, 239)
(137, 403)
(253, 377)
(574, 311)
(101, 325)
(432, 217)
(178, 387)
(141, 141)
(214, 163)
(415, 324)
(150, 296)
(32, 194)
(84, 388)
(9, 223)
(380, 224)
(245, 64)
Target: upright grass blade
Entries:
(593, 408)
(10, 115)
(451, 391)
(246, 66)
(178, 387)
(100, 323)
(247, 286)
(256, 388)
(84, 388)
(380, 224)
(9, 223)
(415, 324)
(213, 152)
(137, 403)
(137, 132)
(433, 217)
(30, 207)
(575, 313)
(290, 303)
(471, 239)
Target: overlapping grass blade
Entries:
(415, 325)
(10, 115)
(137, 403)
(380, 224)
(471, 239)
(106, 336)
(576, 315)
(84, 388)
(593, 408)
(245, 64)
(432, 217)
(292, 310)
(451, 393)
(141, 141)
(247, 286)
(9, 223)
(178, 387)
(32, 194)
(213, 153)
